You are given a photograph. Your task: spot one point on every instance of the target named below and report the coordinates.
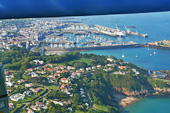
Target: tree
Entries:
(36, 49)
(18, 75)
(63, 110)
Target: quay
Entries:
(95, 47)
(98, 29)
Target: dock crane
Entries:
(127, 30)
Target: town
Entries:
(58, 35)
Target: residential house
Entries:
(107, 70)
(30, 69)
(58, 102)
(51, 65)
(110, 59)
(17, 97)
(70, 68)
(29, 85)
(57, 74)
(11, 106)
(64, 80)
(51, 76)
(135, 71)
(9, 84)
(9, 91)
(36, 90)
(70, 109)
(112, 65)
(41, 72)
(41, 104)
(50, 69)
(122, 67)
(82, 69)
(63, 86)
(7, 78)
(28, 93)
(99, 66)
(21, 81)
(36, 108)
(63, 71)
(30, 111)
(93, 67)
(33, 74)
(88, 68)
(60, 67)
(38, 62)
(120, 72)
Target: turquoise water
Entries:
(158, 61)
(157, 25)
(150, 105)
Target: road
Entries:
(26, 103)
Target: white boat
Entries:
(136, 56)
(154, 52)
(150, 54)
(123, 55)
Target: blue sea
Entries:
(150, 105)
(157, 26)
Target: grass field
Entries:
(101, 107)
(27, 99)
(25, 77)
(51, 86)
(86, 60)
(78, 111)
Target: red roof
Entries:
(29, 69)
(6, 72)
(63, 79)
(122, 67)
(63, 86)
(50, 69)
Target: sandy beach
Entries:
(124, 101)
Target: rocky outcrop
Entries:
(135, 93)
(144, 92)
(162, 91)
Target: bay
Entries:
(155, 104)
(156, 25)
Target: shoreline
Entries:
(126, 101)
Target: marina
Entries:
(77, 36)
(98, 29)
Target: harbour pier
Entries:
(115, 46)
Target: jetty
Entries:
(81, 29)
(115, 46)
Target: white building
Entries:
(58, 102)
(110, 59)
(17, 97)
(33, 74)
(9, 84)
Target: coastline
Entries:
(126, 101)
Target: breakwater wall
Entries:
(157, 47)
(96, 47)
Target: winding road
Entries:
(26, 103)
